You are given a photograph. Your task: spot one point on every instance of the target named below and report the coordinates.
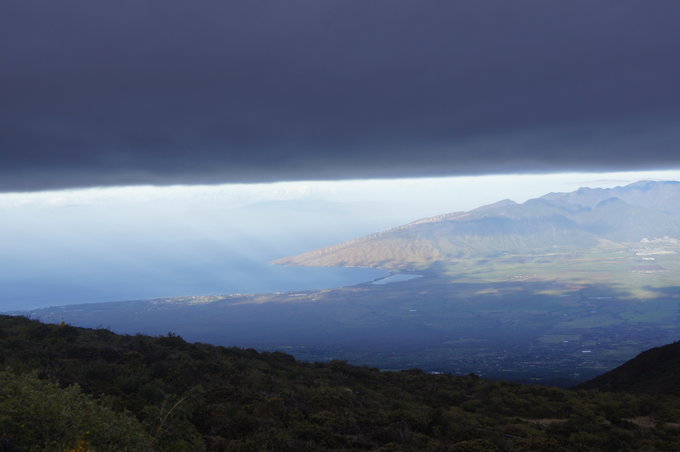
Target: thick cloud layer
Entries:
(170, 91)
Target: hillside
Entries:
(557, 222)
(655, 371)
(163, 393)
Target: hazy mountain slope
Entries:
(655, 371)
(555, 222)
(616, 220)
(662, 196)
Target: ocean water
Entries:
(86, 254)
(87, 283)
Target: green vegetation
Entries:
(145, 393)
(40, 416)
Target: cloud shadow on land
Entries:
(457, 328)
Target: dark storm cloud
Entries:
(117, 92)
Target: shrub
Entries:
(37, 415)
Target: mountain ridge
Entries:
(556, 221)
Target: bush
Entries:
(36, 415)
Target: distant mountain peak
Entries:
(610, 202)
(586, 189)
(649, 184)
(502, 203)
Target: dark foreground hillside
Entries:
(146, 393)
(655, 371)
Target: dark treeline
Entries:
(68, 388)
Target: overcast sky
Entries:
(167, 91)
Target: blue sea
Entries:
(173, 275)
(88, 255)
